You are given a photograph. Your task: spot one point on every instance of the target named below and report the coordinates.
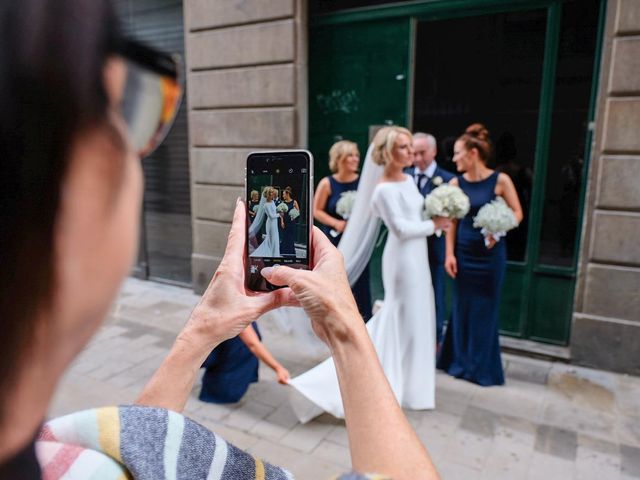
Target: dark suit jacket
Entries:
(437, 246)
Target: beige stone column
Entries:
(246, 64)
(606, 321)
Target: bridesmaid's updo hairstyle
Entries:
(384, 141)
(289, 190)
(477, 136)
(338, 151)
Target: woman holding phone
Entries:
(70, 199)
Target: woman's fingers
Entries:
(265, 302)
(236, 240)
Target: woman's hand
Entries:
(340, 225)
(451, 266)
(226, 308)
(490, 242)
(442, 223)
(324, 292)
(283, 375)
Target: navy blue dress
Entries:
(230, 368)
(360, 289)
(471, 348)
(288, 233)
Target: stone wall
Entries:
(246, 63)
(606, 321)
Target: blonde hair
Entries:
(338, 151)
(383, 143)
(267, 191)
(254, 193)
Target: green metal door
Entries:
(358, 78)
(527, 69)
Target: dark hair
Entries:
(477, 136)
(289, 190)
(52, 55)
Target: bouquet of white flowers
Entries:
(345, 203)
(294, 213)
(282, 208)
(495, 219)
(446, 201)
(344, 207)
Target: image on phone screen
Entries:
(278, 212)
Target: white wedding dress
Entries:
(403, 330)
(270, 246)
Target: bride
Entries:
(270, 246)
(403, 330)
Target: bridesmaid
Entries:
(253, 204)
(288, 226)
(233, 365)
(344, 161)
(471, 348)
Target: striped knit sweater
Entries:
(145, 443)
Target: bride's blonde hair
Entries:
(383, 142)
(267, 191)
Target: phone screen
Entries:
(278, 199)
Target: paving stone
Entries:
(547, 467)
(567, 416)
(557, 442)
(215, 412)
(436, 431)
(507, 460)
(517, 398)
(456, 471)
(628, 397)
(479, 421)
(528, 370)
(596, 459)
(628, 430)
(306, 437)
(247, 415)
(630, 460)
(469, 449)
(339, 435)
(333, 452)
(516, 430)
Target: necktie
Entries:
(421, 179)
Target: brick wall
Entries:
(606, 321)
(246, 63)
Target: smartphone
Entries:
(279, 200)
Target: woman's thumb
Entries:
(278, 275)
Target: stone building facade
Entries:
(247, 84)
(606, 321)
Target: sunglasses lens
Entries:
(150, 104)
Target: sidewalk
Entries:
(550, 421)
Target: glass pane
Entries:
(484, 69)
(565, 165)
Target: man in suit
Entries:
(428, 175)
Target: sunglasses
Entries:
(152, 93)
